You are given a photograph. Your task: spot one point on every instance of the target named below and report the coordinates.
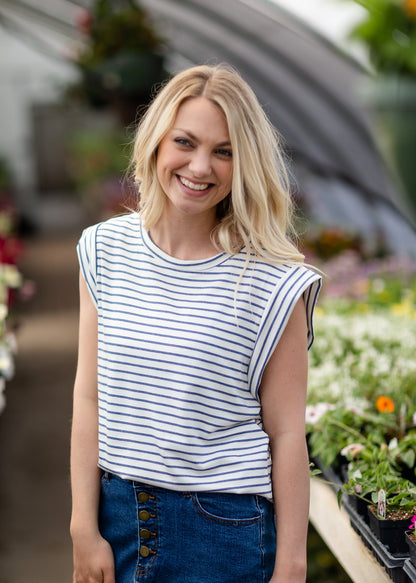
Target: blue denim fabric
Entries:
(162, 536)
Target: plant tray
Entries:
(390, 532)
(410, 571)
(412, 549)
(360, 506)
(393, 563)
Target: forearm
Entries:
(290, 477)
(85, 474)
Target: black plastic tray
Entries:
(393, 563)
(397, 566)
(410, 570)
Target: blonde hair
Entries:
(257, 214)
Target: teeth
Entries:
(193, 185)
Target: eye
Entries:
(183, 142)
(225, 153)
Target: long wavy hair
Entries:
(257, 214)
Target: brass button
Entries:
(144, 533)
(143, 496)
(144, 551)
(144, 515)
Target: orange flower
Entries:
(385, 405)
(410, 7)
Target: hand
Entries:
(93, 561)
(289, 574)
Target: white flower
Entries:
(414, 418)
(356, 409)
(314, 412)
(379, 285)
(3, 312)
(11, 342)
(6, 363)
(353, 448)
(11, 276)
(393, 443)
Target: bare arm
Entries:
(283, 398)
(93, 559)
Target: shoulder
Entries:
(114, 231)
(283, 273)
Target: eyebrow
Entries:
(193, 137)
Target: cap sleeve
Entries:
(87, 257)
(299, 281)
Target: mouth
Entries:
(197, 186)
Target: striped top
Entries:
(180, 358)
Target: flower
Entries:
(403, 308)
(413, 522)
(4, 310)
(83, 21)
(414, 419)
(385, 404)
(353, 449)
(410, 8)
(314, 412)
(6, 363)
(11, 276)
(357, 475)
(394, 443)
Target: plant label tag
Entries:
(381, 504)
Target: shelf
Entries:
(333, 525)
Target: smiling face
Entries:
(194, 160)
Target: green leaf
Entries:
(408, 457)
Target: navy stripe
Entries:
(240, 370)
(125, 419)
(180, 339)
(182, 350)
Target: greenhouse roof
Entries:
(308, 87)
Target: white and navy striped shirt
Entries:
(180, 358)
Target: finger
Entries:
(109, 575)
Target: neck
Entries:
(187, 238)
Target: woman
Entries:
(198, 311)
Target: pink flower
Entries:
(357, 474)
(413, 522)
(83, 21)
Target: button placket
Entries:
(146, 506)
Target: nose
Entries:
(200, 163)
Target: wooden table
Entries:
(333, 525)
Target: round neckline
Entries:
(183, 264)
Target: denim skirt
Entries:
(164, 536)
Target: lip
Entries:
(192, 192)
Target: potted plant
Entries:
(393, 500)
(388, 30)
(121, 58)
